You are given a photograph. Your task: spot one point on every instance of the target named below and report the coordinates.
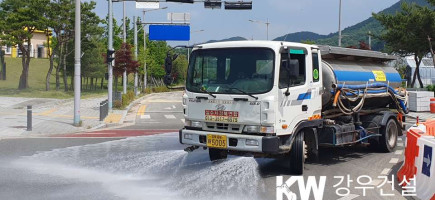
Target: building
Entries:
(37, 46)
(427, 70)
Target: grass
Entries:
(37, 73)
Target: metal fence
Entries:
(104, 109)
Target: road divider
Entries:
(419, 168)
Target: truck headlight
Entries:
(252, 129)
(195, 124)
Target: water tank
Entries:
(355, 67)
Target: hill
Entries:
(353, 34)
(300, 36)
(238, 38)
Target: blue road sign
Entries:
(427, 160)
(169, 32)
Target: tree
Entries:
(124, 61)
(20, 20)
(406, 32)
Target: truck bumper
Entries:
(236, 142)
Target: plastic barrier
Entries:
(432, 105)
(419, 163)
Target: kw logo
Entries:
(283, 188)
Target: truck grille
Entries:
(222, 127)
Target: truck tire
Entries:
(297, 155)
(388, 140)
(217, 154)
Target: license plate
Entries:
(217, 141)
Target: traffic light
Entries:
(180, 1)
(110, 55)
(240, 5)
(213, 4)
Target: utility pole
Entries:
(109, 64)
(135, 53)
(145, 54)
(77, 64)
(370, 40)
(339, 25)
(124, 75)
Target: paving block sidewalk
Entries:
(50, 116)
(422, 115)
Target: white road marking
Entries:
(400, 139)
(349, 197)
(394, 160)
(173, 106)
(170, 117)
(386, 171)
(183, 120)
(400, 144)
(145, 117)
(398, 152)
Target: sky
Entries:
(285, 16)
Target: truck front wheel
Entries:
(217, 154)
(388, 140)
(297, 155)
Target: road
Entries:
(109, 165)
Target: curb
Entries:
(124, 114)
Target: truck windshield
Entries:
(231, 71)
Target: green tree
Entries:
(20, 19)
(180, 69)
(406, 32)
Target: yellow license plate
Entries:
(217, 141)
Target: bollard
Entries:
(29, 118)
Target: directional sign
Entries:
(427, 160)
(147, 5)
(179, 17)
(169, 32)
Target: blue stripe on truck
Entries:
(304, 96)
(364, 76)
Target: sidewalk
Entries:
(50, 116)
(422, 115)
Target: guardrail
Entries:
(104, 109)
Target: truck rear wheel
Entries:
(388, 140)
(297, 155)
(217, 154)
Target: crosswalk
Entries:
(151, 116)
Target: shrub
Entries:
(117, 104)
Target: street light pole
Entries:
(135, 53)
(77, 65)
(267, 26)
(109, 64)
(339, 24)
(124, 35)
(188, 44)
(145, 46)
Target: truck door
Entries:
(296, 93)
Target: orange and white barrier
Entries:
(419, 162)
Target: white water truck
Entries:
(285, 100)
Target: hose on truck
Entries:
(353, 93)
